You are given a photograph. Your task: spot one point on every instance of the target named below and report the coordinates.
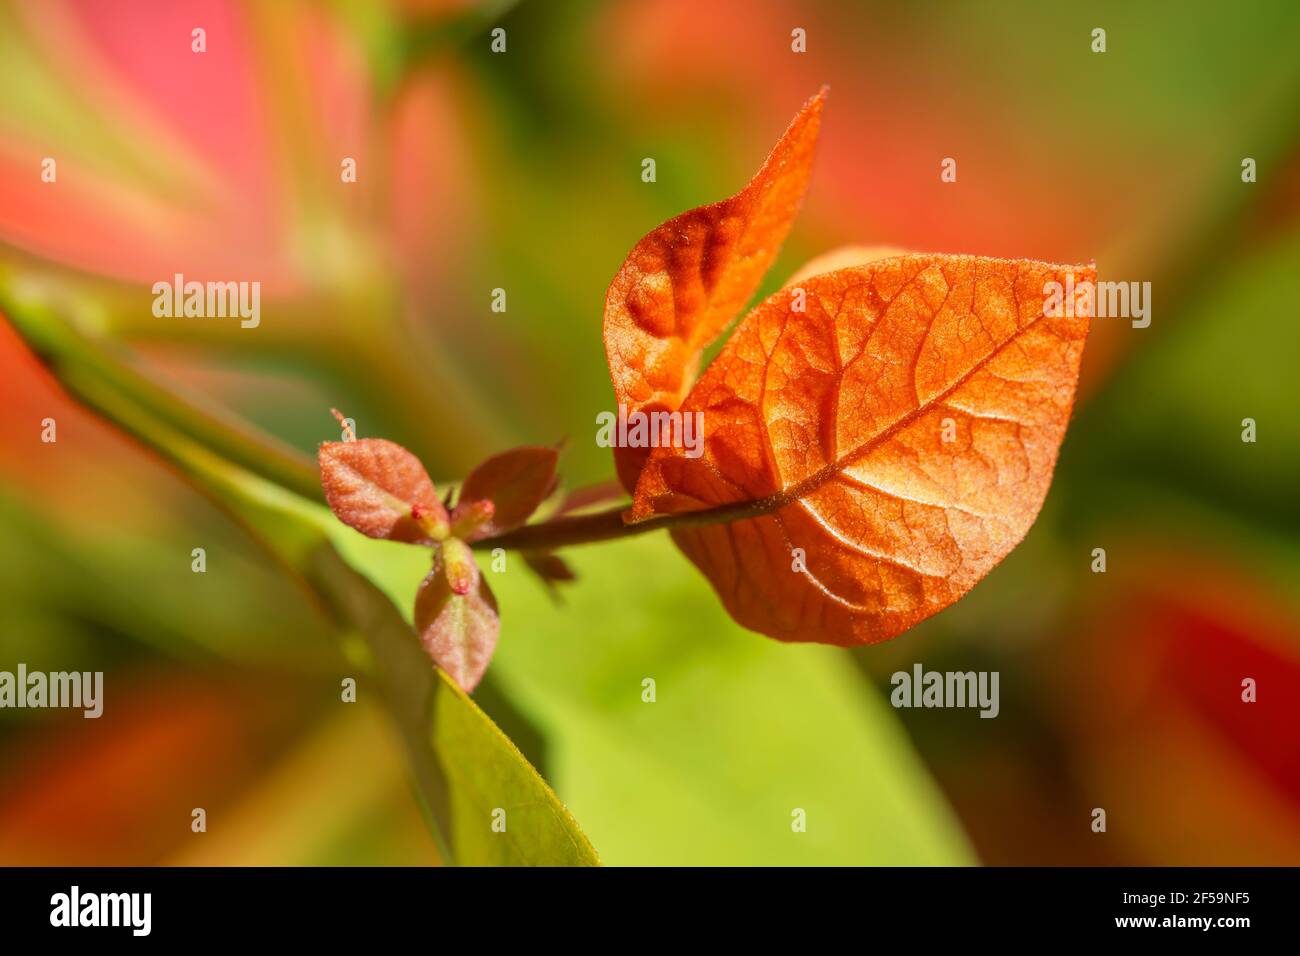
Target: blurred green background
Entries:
(521, 170)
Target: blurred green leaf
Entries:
(92, 573)
(743, 734)
(466, 768)
(1174, 416)
(743, 730)
(92, 369)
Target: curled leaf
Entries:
(381, 489)
(884, 448)
(459, 631)
(515, 482)
(684, 282)
(842, 257)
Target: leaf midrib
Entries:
(757, 507)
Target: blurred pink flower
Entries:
(221, 164)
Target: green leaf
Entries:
(91, 369)
(465, 767)
(742, 732)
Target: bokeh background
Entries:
(521, 170)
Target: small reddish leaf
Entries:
(591, 496)
(458, 631)
(685, 281)
(551, 568)
(900, 433)
(515, 481)
(374, 486)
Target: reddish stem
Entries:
(605, 525)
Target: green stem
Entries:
(98, 374)
(86, 366)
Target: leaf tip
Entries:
(349, 429)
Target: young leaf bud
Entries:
(458, 565)
(469, 516)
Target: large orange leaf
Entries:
(883, 449)
(687, 280)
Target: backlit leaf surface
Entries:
(373, 485)
(459, 631)
(686, 281)
(899, 434)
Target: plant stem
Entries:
(608, 524)
(568, 530)
(96, 373)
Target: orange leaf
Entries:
(685, 281)
(373, 485)
(842, 258)
(901, 431)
